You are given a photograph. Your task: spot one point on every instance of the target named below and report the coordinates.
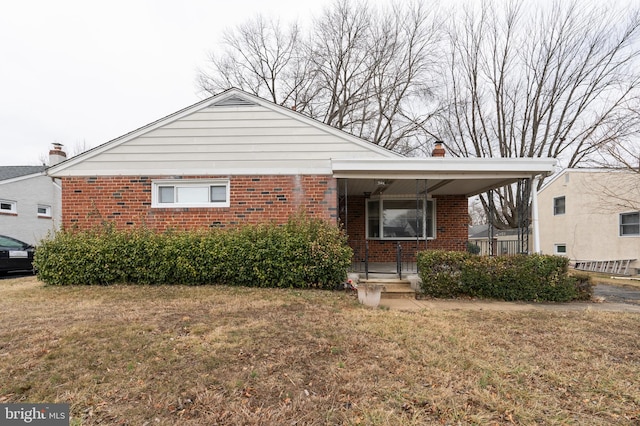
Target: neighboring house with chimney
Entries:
(235, 159)
(592, 216)
(30, 200)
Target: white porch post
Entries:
(534, 215)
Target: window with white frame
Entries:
(396, 219)
(44, 211)
(7, 206)
(630, 224)
(190, 193)
(558, 206)
(560, 249)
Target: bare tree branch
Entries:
(361, 69)
(551, 82)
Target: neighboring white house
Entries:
(30, 201)
(592, 216)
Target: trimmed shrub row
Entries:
(302, 253)
(520, 277)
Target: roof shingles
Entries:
(10, 172)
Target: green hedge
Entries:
(520, 277)
(584, 285)
(301, 253)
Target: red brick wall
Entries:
(126, 201)
(451, 230)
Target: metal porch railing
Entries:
(404, 262)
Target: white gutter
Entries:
(443, 167)
(534, 215)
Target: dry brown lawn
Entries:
(165, 355)
(601, 278)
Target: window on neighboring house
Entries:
(7, 206)
(630, 224)
(399, 219)
(558, 205)
(44, 211)
(190, 193)
(560, 249)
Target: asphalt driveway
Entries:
(618, 294)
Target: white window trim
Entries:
(47, 214)
(554, 205)
(13, 209)
(620, 225)
(192, 183)
(399, 198)
(559, 253)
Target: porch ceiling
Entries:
(468, 187)
(444, 176)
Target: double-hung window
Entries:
(399, 219)
(190, 193)
(630, 224)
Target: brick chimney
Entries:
(56, 154)
(438, 150)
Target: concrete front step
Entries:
(392, 288)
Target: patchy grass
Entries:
(169, 355)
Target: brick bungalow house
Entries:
(235, 159)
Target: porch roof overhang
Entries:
(443, 176)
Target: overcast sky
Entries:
(85, 72)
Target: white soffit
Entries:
(443, 168)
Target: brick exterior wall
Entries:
(125, 201)
(452, 232)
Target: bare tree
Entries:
(262, 58)
(618, 184)
(361, 69)
(477, 213)
(506, 79)
(527, 82)
(623, 153)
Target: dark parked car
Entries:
(15, 255)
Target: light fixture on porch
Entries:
(367, 194)
(381, 185)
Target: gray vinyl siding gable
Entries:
(228, 140)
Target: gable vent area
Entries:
(233, 101)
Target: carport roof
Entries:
(444, 175)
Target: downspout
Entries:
(490, 230)
(534, 215)
(346, 208)
(426, 213)
(418, 212)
